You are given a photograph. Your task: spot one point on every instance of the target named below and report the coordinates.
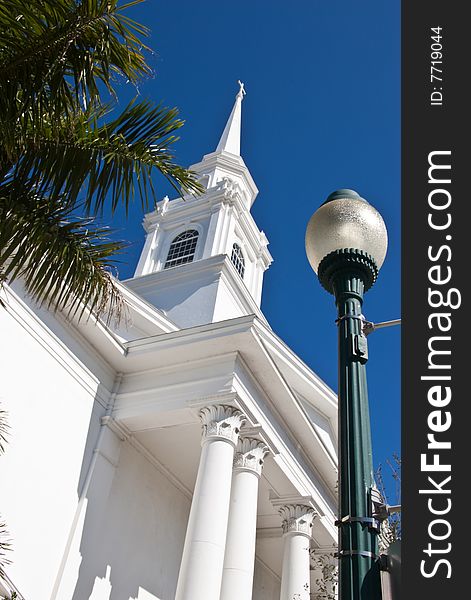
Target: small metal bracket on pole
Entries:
(368, 327)
(370, 522)
(343, 317)
(342, 553)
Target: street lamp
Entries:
(346, 242)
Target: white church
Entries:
(187, 454)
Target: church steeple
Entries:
(226, 161)
(204, 257)
(230, 139)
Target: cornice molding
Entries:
(297, 363)
(149, 312)
(239, 324)
(230, 163)
(308, 469)
(225, 192)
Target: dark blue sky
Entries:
(322, 112)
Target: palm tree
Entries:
(63, 151)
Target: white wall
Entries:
(124, 538)
(192, 294)
(266, 586)
(186, 297)
(132, 536)
(49, 399)
(226, 306)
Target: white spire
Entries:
(230, 139)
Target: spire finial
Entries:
(230, 139)
(242, 91)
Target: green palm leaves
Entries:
(60, 146)
(63, 259)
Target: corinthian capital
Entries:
(297, 518)
(250, 454)
(221, 422)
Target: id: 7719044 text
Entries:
(436, 66)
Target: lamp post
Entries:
(346, 242)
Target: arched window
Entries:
(238, 260)
(182, 249)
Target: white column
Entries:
(297, 527)
(203, 553)
(237, 579)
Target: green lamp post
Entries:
(346, 242)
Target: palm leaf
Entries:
(4, 537)
(60, 146)
(105, 162)
(4, 430)
(64, 260)
(5, 546)
(54, 53)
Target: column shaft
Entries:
(203, 554)
(295, 583)
(239, 559)
(297, 529)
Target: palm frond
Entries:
(57, 57)
(64, 261)
(5, 546)
(107, 161)
(54, 53)
(4, 430)
(60, 146)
